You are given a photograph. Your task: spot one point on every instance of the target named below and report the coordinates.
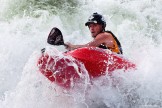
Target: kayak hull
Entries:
(68, 69)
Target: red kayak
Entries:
(68, 69)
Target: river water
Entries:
(24, 27)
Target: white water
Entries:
(137, 24)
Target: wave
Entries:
(25, 25)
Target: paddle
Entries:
(55, 37)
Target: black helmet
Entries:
(96, 18)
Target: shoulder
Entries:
(104, 35)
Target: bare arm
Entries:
(102, 38)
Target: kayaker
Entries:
(102, 39)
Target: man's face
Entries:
(95, 29)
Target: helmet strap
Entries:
(103, 27)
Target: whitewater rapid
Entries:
(24, 27)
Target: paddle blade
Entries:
(55, 37)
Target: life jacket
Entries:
(117, 46)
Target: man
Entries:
(102, 39)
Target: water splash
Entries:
(24, 29)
